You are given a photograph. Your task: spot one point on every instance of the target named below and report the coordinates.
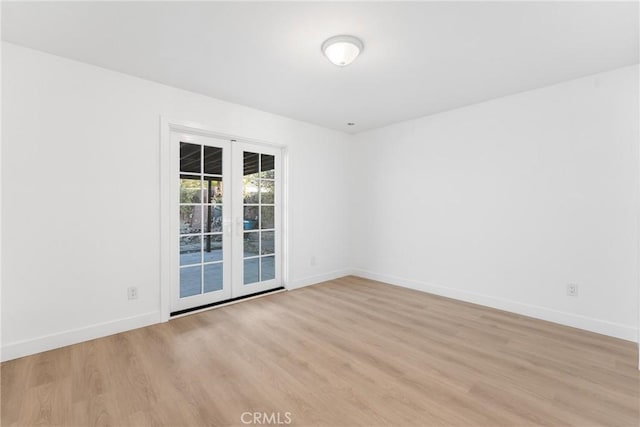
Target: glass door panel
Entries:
(204, 270)
(257, 192)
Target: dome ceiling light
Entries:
(342, 50)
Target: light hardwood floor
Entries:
(346, 352)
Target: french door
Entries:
(256, 212)
(226, 220)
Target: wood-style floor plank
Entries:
(349, 352)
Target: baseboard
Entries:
(61, 339)
(48, 342)
(18, 349)
(313, 280)
(617, 330)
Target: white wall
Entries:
(81, 219)
(501, 203)
(506, 202)
(1, 46)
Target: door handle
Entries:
(226, 224)
(239, 226)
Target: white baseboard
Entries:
(312, 280)
(48, 342)
(617, 330)
(18, 349)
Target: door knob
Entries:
(239, 226)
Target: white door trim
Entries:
(168, 254)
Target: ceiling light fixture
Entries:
(342, 50)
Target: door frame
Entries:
(168, 254)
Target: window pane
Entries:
(212, 218)
(213, 277)
(268, 268)
(250, 218)
(213, 160)
(266, 192)
(268, 243)
(267, 166)
(212, 247)
(213, 190)
(190, 250)
(266, 213)
(189, 157)
(251, 244)
(189, 189)
(190, 219)
(190, 278)
(251, 270)
(250, 190)
(251, 163)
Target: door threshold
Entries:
(201, 308)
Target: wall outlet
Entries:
(312, 261)
(572, 290)
(132, 292)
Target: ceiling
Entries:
(419, 58)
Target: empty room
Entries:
(320, 213)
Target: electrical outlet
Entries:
(572, 290)
(312, 261)
(132, 292)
